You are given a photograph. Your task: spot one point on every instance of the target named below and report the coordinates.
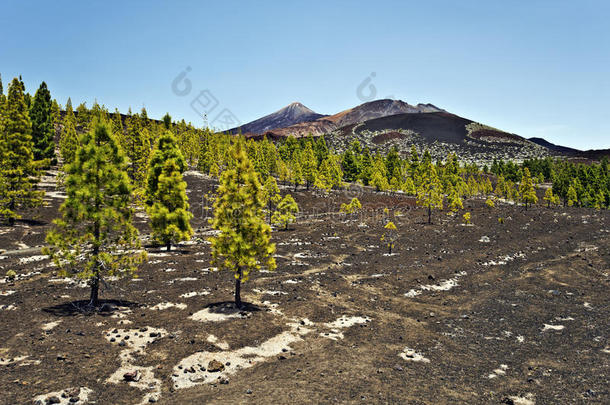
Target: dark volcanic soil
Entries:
(484, 314)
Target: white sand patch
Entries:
(341, 323)
(166, 305)
(158, 254)
(121, 312)
(190, 371)
(56, 194)
(136, 341)
(185, 279)
(308, 255)
(568, 318)
(20, 277)
(31, 259)
(7, 361)
(214, 340)
(444, 285)
(169, 270)
(378, 275)
(64, 396)
(21, 245)
(527, 399)
(588, 305)
(390, 254)
(194, 294)
(520, 339)
(70, 281)
(500, 371)
(205, 315)
(50, 325)
(6, 293)
(9, 307)
(290, 281)
(606, 350)
(505, 259)
(269, 292)
(552, 327)
(484, 239)
(411, 355)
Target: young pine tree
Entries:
(169, 213)
(165, 150)
(95, 236)
(271, 195)
(68, 143)
(429, 192)
(284, 214)
(527, 190)
(244, 243)
(19, 173)
(43, 130)
(390, 236)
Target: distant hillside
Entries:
(294, 113)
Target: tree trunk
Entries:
(238, 288)
(389, 248)
(95, 288)
(169, 246)
(429, 214)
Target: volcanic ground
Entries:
(483, 313)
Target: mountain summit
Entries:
(294, 113)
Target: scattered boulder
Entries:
(215, 366)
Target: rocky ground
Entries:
(491, 313)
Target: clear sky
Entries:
(535, 68)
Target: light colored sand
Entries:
(83, 396)
(166, 305)
(6, 293)
(205, 315)
(500, 371)
(31, 259)
(194, 294)
(50, 325)
(444, 285)
(552, 327)
(412, 355)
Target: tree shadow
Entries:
(84, 307)
(31, 222)
(228, 307)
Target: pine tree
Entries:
(68, 142)
(549, 197)
(309, 164)
(390, 236)
(165, 150)
(429, 192)
(527, 190)
(55, 112)
(379, 178)
(572, 197)
(82, 116)
(167, 121)
(19, 173)
(169, 213)
(271, 195)
(284, 214)
(454, 200)
(43, 132)
(95, 236)
(244, 242)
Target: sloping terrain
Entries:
(293, 113)
(512, 313)
(439, 132)
(363, 112)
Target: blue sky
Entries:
(536, 68)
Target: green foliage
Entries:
(95, 236)
(390, 236)
(429, 192)
(271, 194)
(19, 173)
(165, 150)
(527, 190)
(169, 213)
(11, 275)
(490, 203)
(284, 214)
(43, 130)
(466, 218)
(351, 208)
(244, 242)
(68, 143)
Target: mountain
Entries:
(293, 113)
(360, 113)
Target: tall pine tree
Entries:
(19, 173)
(244, 243)
(95, 236)
(43, 131)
